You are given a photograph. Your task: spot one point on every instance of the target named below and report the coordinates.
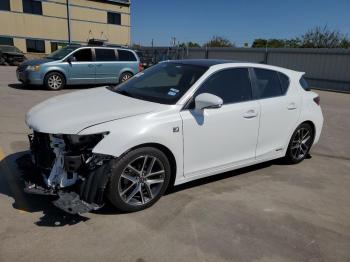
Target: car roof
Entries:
(204, 62)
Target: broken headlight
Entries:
(83, 142)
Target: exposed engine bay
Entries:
(64, 166)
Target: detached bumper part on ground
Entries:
(79, 183)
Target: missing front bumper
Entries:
(85, 196)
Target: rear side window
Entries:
(304, 84)
(105, 55)
(284, 82)
(268, 83)
(83, 55)
(232, 85)
(125, 55)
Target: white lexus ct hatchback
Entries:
(175, 122)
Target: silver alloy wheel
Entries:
(55, 82)
(301, 143)
(126, 77)
(141, 180)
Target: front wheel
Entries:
(300, 144)
(139, 179)
(54, 81)
(125, 77)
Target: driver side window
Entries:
(83, 55)
(232, 85)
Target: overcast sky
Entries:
(238, 20)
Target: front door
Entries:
(216, 139)
(82, 67)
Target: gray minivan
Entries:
(77, 65)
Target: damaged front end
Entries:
(65, 166)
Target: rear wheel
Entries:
(139, 179)
(300, 144)
(54, 81)
(125, 77)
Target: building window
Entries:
(114, 18)
(6, 41)
(5, 5)
(32, 7)
(57, 45)
(35, 46)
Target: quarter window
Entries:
(6, 41)
(125, 55)
(32, 7)
(268, 83)
(35, 46)
(5, 5)
(284, 82)
(105, 55)
(83, 55)
(232, 85)
(114, 18)
(304, 84)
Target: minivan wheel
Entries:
(300, 144)
(54, 81)
(139, 179)
(125, 77)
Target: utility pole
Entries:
(68, 22)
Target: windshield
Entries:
(61, 53)
(164, 83)
(5, 48)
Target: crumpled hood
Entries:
(73, 112)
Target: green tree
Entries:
(322, 37)
(189, 44)
(219, 41)
(259, 43)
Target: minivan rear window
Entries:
(125, 55)
(105, 55)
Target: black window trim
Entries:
(189, 101)
(255, 83)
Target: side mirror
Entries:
(71, 59)
(207, 101)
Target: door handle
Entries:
(99, 65)
(292, 106)
(90, 65)
(250, 114)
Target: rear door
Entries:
(82, 67)
(280, 109)
(106, 66)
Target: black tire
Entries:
(125, 77)
(143, 198)
(300, 144)
(54, 81)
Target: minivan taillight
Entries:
(317, 100)
(140, 67)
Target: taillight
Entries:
(317, 100)
(140, 67)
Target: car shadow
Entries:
(12, 186)
(13, 167)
